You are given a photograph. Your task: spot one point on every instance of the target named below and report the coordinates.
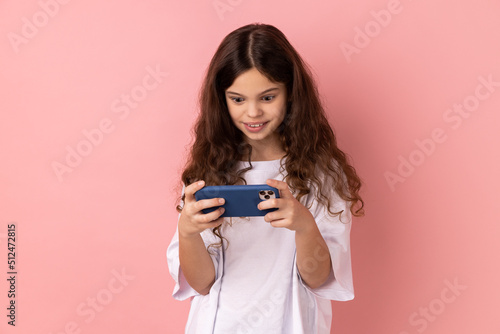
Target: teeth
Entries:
(256, 125)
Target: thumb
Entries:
(282, 187)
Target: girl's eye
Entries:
(267, 98)
(237, 99)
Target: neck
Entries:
(265, 150)
(265, 154)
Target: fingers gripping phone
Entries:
(240, 200)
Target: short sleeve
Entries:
(335, 230)
(182, 289)
(339, 286)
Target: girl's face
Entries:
(257, 107)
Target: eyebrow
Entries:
(266, 91)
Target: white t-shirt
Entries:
(257, 286)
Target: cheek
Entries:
(231, 112)
(234, 115)
(282, 113)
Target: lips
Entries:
(255, 126)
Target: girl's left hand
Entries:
(291, 214)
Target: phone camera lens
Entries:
(270, 192)
(267, 197)
(262, 192)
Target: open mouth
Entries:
(255, 127)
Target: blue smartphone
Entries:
(240, 200)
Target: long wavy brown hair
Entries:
(305, 134)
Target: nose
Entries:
(254, 110)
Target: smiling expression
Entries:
(257, 107)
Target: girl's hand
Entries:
(192, 220)
(309, 243)
(291, 214)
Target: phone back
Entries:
(240, 200)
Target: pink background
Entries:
(113, 214)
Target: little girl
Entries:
(261, 122)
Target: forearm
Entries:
(196, 263)
(313, 256)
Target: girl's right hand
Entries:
(192, 220)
